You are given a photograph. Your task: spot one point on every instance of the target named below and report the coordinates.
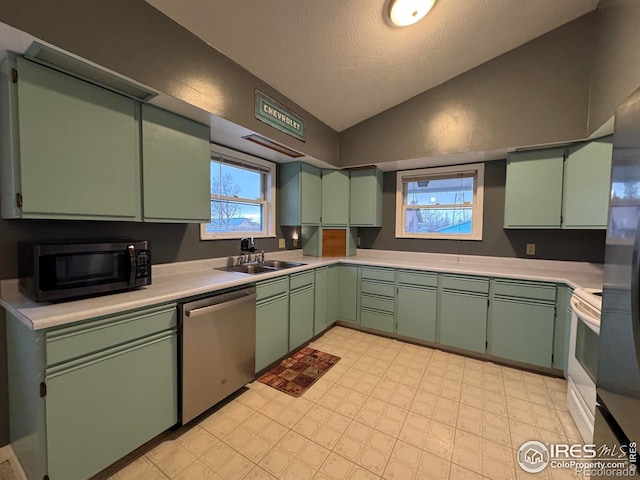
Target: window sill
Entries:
(440, 237)
(236, 237)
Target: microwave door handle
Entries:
(132, 264)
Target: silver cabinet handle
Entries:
(219, 306)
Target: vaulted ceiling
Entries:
(342, 62)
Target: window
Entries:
(440, 202)
(242, 196)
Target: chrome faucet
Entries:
(247, 248)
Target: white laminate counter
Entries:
(172, 282)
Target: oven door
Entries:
(79, 270)
(583, 352)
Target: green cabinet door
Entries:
(348, 293)
(533, 191)
(463, 320)
(321, 300)
(416, 312)
(366, 198)
(272, 330)
(332, 294)
(587, 175)
(335, 197)
(104, 406)
(78, 148)
(301, 311)
(300, 194)
(522, 330)
(561, 333)
(176, 163)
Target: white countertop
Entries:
(175, 281)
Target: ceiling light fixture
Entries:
(403, 13)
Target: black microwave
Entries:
(52, 271)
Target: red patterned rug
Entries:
(295, 374)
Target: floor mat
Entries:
(295, 374)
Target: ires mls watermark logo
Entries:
(585, 460)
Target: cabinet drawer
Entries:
(465, 284)
(384, 274)
(271, 288)
(523, 289)
(377, 288)
(301, 279)
(80, 340)
(103, 407)
(377, 320)
(378, 303)
(413, 277)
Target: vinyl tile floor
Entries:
(387, 410)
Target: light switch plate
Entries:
(358, 241)
(281, 243)
(531, 248)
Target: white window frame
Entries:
(478, 200)
(269, 202)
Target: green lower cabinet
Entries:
(348, 293)
(106, 405)
(463, 321)
(416, 315)
(272, 330)
(522, 331)
(301, 309)
(376, 319)
(332, 294)
(562, 329)
(321, 300)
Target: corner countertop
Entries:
(175, 281)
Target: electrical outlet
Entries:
(531, 248)
(281, 243)
(358, 241)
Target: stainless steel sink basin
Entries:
(267, 266)
(280, 264)
(247, 269)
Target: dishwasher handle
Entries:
(196, 312)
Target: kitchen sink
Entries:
(280, 264)
(254, 268)
(267, 266)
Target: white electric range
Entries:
(586, 305)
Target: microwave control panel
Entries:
(143, 267)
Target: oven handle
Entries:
(591, 321)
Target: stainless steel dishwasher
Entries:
(218, 349)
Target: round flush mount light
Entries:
(403, 13)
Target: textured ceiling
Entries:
(341, 61)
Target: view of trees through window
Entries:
(440, 205)
(237, 199)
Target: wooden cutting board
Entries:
(334, 242)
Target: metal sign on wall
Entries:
(278, 116)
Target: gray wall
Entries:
(535, 94)
(616, 62)
(133, 38)
(576, 245)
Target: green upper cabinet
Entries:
(533, 192)
(300, 194)
(335, 197)
(587, 175)
(175, 158)
(70, 148)
(366, 198)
